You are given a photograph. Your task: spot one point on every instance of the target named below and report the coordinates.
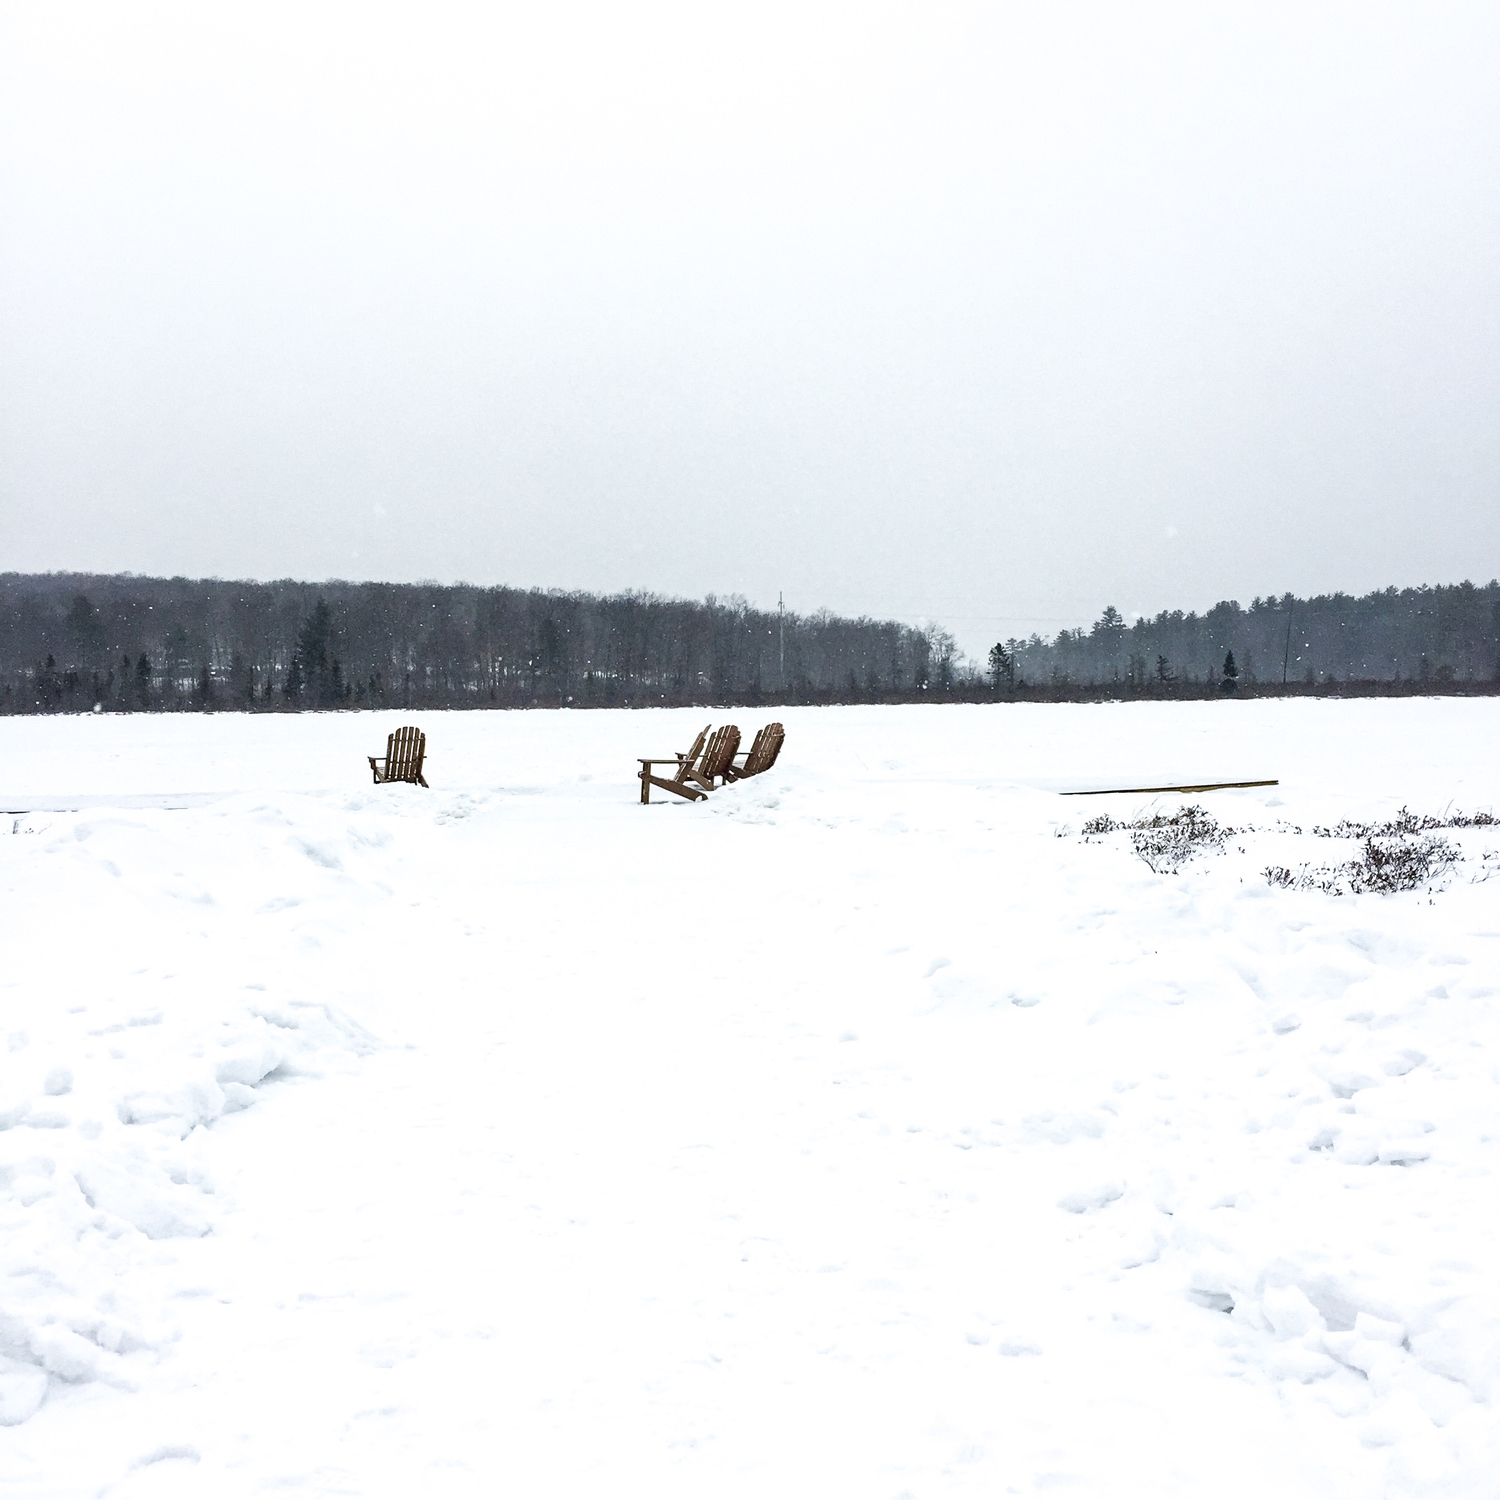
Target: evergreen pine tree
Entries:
(1002, 667)
(312, 672)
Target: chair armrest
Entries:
(660, 760)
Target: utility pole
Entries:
(1287, 654)
(781, 623)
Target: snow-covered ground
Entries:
(863, 1131)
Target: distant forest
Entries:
(70, 641)
(1418, 639)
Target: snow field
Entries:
(861, 1130)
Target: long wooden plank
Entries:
(1206, 786)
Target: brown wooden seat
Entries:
(405, 751)
(761, 756)
(698, 770)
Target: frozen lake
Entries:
(863, 1130)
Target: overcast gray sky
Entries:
(988, 314)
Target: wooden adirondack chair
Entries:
(404, 752)
(697, 770)
(719, 756)
(684, 764)
(762, 754)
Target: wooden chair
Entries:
(697, 770)
(762, 754)
(718, 757)
(404, 752)
(678, 783)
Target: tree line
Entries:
(1427, 639)
(70, 641)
